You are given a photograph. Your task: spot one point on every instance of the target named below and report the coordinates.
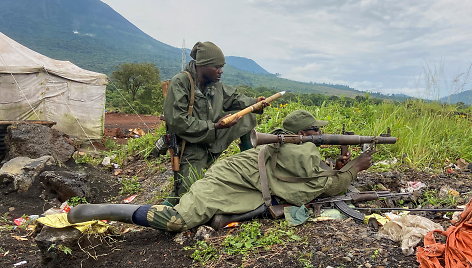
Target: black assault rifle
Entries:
(339, 202)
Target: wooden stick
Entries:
(251, 108)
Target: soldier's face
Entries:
(212, 73)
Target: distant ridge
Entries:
(95, 37)
(464, 97)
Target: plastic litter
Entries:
(129, 199)
(60, 221)
(413, 186)
(409, 230)
(20, 263)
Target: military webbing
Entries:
(191, 101)
(261, 159)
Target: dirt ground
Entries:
(339, 243)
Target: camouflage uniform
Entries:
(204, 142)
(232, 186)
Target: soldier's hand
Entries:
(364, 160)
(343, 160)
(264, 104)
(220, 125)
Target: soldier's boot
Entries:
(221, 220)
(113, 212)
(245, 142)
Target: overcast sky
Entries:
(421, 48)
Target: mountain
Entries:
(92, 35)
(245, 64)
(464, 97)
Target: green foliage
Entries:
(305, 260)
(203, 252)
(76, 200)
(5, 222)
(87, 158)
(375, 255)
(135, 88)
(251, 237)
(130, 185)
(62, 248)
(432, 197)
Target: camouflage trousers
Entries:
(165, 218)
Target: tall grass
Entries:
(430, 134)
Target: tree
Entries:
(136, 77)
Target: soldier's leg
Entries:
(159, 216)
(193, 161)
(245, 143)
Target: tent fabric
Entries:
(35, 87)
(16, 58)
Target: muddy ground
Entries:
(340, 243)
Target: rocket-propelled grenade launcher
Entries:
(322, 139)
(252, 108)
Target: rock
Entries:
(346, 259)
(64, 184)
(204, 232)
(35, 140)
(22, 171)
(50, 238)
(181, 238)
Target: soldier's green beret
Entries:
(207, 53)
(301, 120)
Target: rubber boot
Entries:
(221, 220)
(112, 212)
(245, 142)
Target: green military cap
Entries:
(301, 120)
(207, 53)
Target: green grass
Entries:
(429, 134)
(249, 239)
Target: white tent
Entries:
(35, 87)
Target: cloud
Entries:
(369, 43)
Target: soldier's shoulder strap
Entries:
(191, 101)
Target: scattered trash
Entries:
(19, 221)
(409, 230)
(387, 162)
(446, 191)
(412, 186)
(20, 263)
(19, 238)
(461, 163)
(65, 207)
(379, 218)
(60, 221)
(137, 131)
(106, 161)
(117, 171)
(232, 225)
(22, 221)
(129, 199)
